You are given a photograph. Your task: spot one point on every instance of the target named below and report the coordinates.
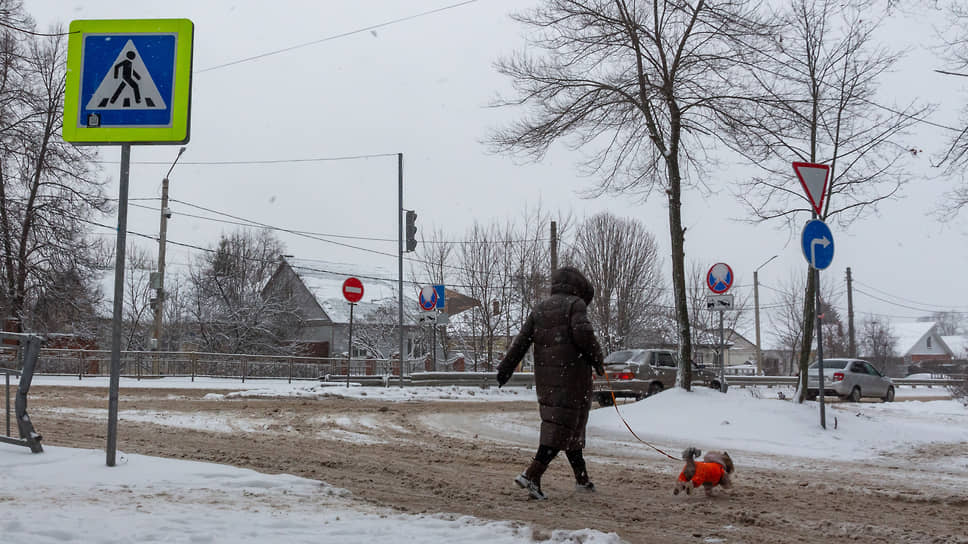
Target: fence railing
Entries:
(6, 395)
(153, 364)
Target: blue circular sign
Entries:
(719, 278)
(817, 243)
(428, 298)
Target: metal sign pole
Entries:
(823, 413)
(722, 355)
(118, 306)
(349, 350)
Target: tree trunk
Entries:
(809, 315)
(677, 235)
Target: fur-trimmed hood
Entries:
(570, 281)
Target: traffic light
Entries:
(411, 230)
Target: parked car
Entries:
(638, 373)
(849, 379)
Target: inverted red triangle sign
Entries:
(813, 178)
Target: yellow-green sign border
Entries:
(178, 132)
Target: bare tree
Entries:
(620, 259)
(436, 254)
(954, 49)
(949, 323)
(232, 314)
(818, 84)
(787, 319)
(878, 341)
(48, 188)
(638, 84)
(136, 303)
(482, 277)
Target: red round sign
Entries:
(353, 289)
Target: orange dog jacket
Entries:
(706, 473)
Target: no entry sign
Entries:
(352, 289)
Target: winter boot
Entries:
(582, 482)
(530, 479)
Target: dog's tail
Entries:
(690, 453)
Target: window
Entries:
(929, 342)
(664, 359)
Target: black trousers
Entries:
(546, 454)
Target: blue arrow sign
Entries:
(817, 243)
(441, 297)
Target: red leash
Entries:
(627, 426)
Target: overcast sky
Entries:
(421, 87)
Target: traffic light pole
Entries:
(400, 255)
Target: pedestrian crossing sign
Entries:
(128, 81)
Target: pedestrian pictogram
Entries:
(813, 178)
(127, 85)
(719, 278)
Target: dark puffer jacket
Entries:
(565, 352)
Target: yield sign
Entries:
(813, 178)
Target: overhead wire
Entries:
(335, 36)
(939, 307)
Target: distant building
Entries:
(318, 293)
(919, 341)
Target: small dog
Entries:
(715, 469)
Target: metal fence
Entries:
(154, 364)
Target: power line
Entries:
(32, 33)
(898, 297)
(892, 303)
(261, 161)
(335, 36)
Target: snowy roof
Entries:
(958, 345)
(908, 334)
(325, 282)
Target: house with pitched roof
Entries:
(318, 292)
(920, 341)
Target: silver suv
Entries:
(638, 373)
(849, 379)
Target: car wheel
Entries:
(655, 387)
(714, 385)
(854, 395)
(811, 396)
(889, 397)
(605, 399)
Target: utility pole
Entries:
(162, 237)
(554, 246)
(851, 343)
(756, 314)
(400, 261)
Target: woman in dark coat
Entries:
(565, 352)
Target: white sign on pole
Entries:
(719, 303)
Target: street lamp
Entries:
(163, 233)
(756, 306)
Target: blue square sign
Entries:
(127, 80)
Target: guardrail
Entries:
(7, 372)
